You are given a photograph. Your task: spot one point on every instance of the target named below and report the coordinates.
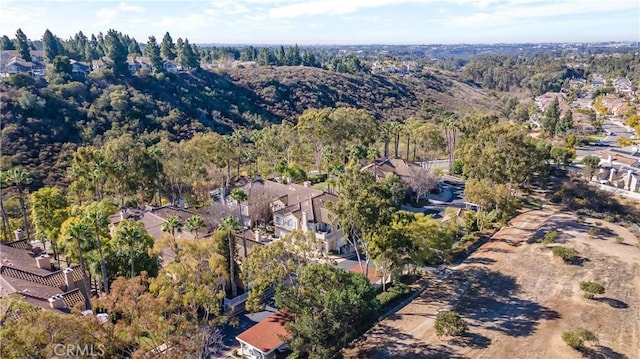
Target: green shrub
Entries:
(619, 239)
(591, 289)
(549, 237)
(580, 219)
(396, 291)
(568, 255)
(317, 178)
(597, 223)
(593, 232)
(450, 323)
(578, 336)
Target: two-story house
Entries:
(312, 215)
(289, 207)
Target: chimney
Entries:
(19, 234)
(223, 194)
(305, 221)
(258, 235)
(56, 302)
(43, 262)
(258, 177)
(612, 171)
(123, 214)
(609, 159)
(68, 278)
(307, 184)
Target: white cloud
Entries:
(515, 11)
(127, 7)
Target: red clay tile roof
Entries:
(268, 334)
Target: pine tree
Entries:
(134, 48)
(167, 48)
(49, 46)
(152, 51)
(22, 45)
(116, 53)
(6, 43)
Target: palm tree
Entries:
(78, 232)
(396, 130)
(230, 226)
(99, 220)
(239, 195)
(238, 138)
(450, 125)
(172, 225)
(386, 131)
(6, 228)
(19, 177)
(194, 223)
(157, 154)
(131, 234)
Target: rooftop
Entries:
(267, 335)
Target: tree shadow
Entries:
(613, 303)
(578, 261)
(384, 341)
(472, 340)
(480, 260)
(492, 300)
(601, 352)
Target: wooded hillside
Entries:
(42, 123)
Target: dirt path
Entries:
(523, 297)
(400, 335)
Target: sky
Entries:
(339, 22)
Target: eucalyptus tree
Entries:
(363, 207)
(48, 212)
(317, 127)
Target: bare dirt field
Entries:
(518, 299)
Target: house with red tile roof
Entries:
(263, 340)
(26, 272)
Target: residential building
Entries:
(27, 272)
(311, 215)
(17, 65)
(263, 340)
(289, 207)
(80, 69)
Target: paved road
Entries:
(617, 130)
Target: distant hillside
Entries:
(288, 91)
(42, 123)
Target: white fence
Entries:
(620, 191)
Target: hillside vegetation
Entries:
(43, 123)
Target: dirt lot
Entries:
(518, 298)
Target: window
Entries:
(279, 220)
(291, 223)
